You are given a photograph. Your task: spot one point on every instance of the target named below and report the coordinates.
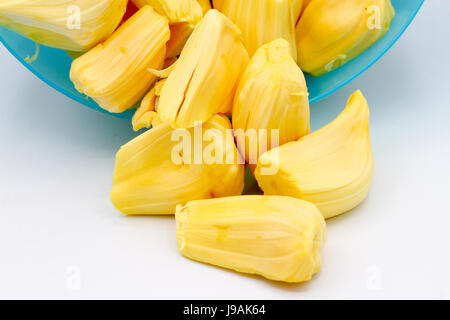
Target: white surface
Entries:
(58, 226)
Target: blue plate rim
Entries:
(55, 86)
(312, 101)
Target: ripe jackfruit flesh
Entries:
(115, 73)
(332, 32)
(74, 25)
(280, 238)
(332, 167)
(206, 75)
(271, 95)
(262, 21)
(155, 172)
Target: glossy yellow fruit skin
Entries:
(177, 11)
(147, 180)
(262, 21)
(279, 238)
(206, 75)
(332, 32)
(54, 23)
(332, 167)
(115, 73)
(272, 95)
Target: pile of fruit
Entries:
(221, 87)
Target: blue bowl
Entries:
(52, 65)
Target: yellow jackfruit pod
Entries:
(75, 25)
(262, 21)
(332, 167)
(115, 74)
(279, 238)
(176, 11)
(332, 32)
(272, 97)
(205, 77)
(165, 167)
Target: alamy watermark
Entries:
(217, 147)
(374, 278)
(73, 21)
(73, 278)
(374, 18)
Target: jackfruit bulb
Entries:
(332, 32)
(332, 167)
(74, 25)
(271, 97)
(115, 73)
(279, 238)
(262, 21)
(204, 79)
(165, 167)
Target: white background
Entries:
(57, 225)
